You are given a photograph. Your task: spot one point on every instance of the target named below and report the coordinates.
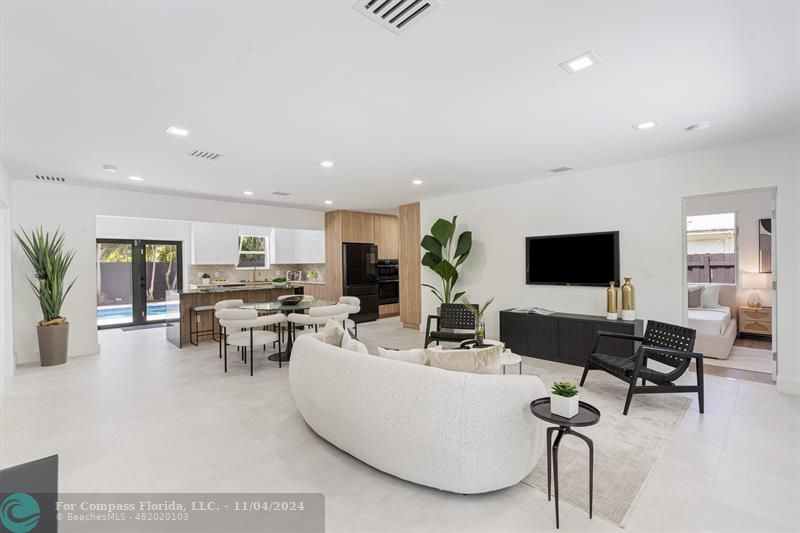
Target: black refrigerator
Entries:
(360, 269)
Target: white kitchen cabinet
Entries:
(214, 244)
(297, 246)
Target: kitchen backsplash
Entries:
(230, 273)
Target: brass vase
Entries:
(611, 301)
(628, 303)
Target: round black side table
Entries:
(588, 415)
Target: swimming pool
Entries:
(122, 314)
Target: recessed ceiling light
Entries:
(416, 182)
(697, 128)
(248, 193)
(326, 164)
(650, 124)
(173, 130)
(136, 178)
(328, 202)
(581, 62)
(109, 168)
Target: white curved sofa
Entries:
(454, 431)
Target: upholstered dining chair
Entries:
(353, 308)
(665, 343)
(224, 304)
(245, 328)
(318, 316)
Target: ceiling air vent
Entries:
(395, 15)
(560, 169)
(281, 193)
(53, 179)
(202, 154)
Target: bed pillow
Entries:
(710, 296)
(416, 356)
(695, 297)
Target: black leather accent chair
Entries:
(450, 317)
(666, 343)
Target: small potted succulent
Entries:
(564, 399)
(205, 278)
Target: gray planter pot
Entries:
(53, 342)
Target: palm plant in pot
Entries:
(443, 256)
(50, 263)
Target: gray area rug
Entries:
(625, 447)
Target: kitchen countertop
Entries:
(236, 287)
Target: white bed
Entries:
(716, 327)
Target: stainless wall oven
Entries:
(388, 281)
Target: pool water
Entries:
(121, 314)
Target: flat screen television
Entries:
(580, 259)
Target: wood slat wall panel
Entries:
(410, 268)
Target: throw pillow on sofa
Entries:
(695, 297)
(354, 345)
(475, 360)
(333, 333)
(416, 356)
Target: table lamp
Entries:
(755, 281)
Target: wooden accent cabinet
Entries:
(410, 268)
(387, 236)
(755, 320)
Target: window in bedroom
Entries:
(711, 248)
(253, 252)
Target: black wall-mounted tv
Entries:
(580, 259)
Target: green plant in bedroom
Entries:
(443, 255)
(478, 311)
(50, 263)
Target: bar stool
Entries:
(194, 320)
(225, 304)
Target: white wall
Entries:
(644, 201)
(74, 209)
(749, 206)
(7, 362)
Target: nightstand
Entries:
(755, 320)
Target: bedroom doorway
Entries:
(729, 252)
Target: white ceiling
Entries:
(470, 96)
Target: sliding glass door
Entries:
(132, 279)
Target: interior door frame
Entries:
(138, 275)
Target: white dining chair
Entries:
(224, 304)
(247, 329)
(318, 316)
(353, 308)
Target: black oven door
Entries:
(388, 292)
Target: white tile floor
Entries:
(145, 416)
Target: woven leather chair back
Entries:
(669, 336)
(456, 316)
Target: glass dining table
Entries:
(279, 306)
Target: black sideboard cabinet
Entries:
(564, 337)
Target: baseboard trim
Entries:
(788, 385)
(28, 359)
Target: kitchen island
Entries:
(177, 330)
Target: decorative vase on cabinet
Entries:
(628, 302)
(611, 301)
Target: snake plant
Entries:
(50, 264)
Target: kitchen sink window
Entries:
(253, 252)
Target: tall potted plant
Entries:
(444, 258)
(50, 264)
